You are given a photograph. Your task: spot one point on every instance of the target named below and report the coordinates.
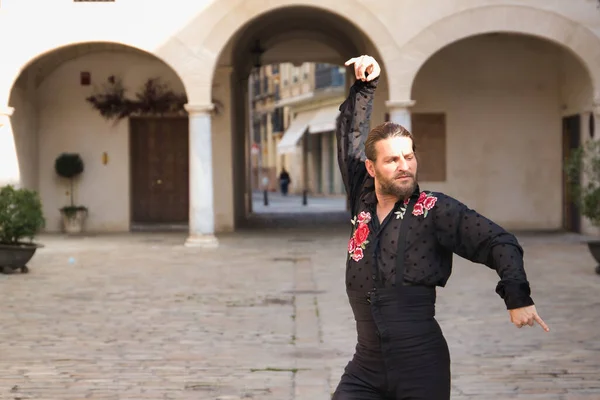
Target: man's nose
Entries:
(402, 164)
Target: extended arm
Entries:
(476, 238)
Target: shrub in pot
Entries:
(21, 218)
(70, 166)
(583, 172)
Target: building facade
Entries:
(293, 109)
(496, 91)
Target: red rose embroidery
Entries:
(361, 234)
(351, 245)
(364, 217)
(358, 241)
(406, 201)
(418, 209)
(429, 202)
(425, 203)
(358, 254)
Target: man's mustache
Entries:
(404, 175)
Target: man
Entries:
(400, 249)
(284, 181)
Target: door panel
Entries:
(159, 170)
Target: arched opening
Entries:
(497, 114)
(264, 57)
(135, 168)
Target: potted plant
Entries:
(69, 166)
(583, 173)
(21, 218)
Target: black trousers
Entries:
(401, 352)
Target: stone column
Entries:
(202, 213)
(326, 162)
(270, 141)
(9, 160)
(596, 114)
(223, 128)
(400, 113)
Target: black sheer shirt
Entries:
(442, 227)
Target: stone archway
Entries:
(583, 43)
(51, 116)
(491, 111)
(196, 50)
(316, 35)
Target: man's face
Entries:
(395, 169)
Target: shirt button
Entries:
(374, 277)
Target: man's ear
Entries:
(370, 167)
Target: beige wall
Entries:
(68, 123)
(502, 98)
(24, 122)
(576, 92)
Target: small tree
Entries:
(20, 214)
(69, 166)
(583, 172)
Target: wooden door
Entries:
(570, 140)
(159, 170)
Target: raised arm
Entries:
(352, 125)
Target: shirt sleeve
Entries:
(352, 128)
(476, 238)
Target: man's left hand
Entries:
(365, 64)
(526, 316)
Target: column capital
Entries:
(395, 104)
(6, 111)
(199, 108)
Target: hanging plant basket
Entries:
(154, 99)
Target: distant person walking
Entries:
(284, 181)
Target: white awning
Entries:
(324, 119)
(294, 132)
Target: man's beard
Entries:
(395, 188)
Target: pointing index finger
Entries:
(541, 322)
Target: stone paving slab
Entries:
(265, 316)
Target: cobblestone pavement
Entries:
(265, 316)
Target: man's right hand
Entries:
(364, 64)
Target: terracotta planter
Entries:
(16, 256)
